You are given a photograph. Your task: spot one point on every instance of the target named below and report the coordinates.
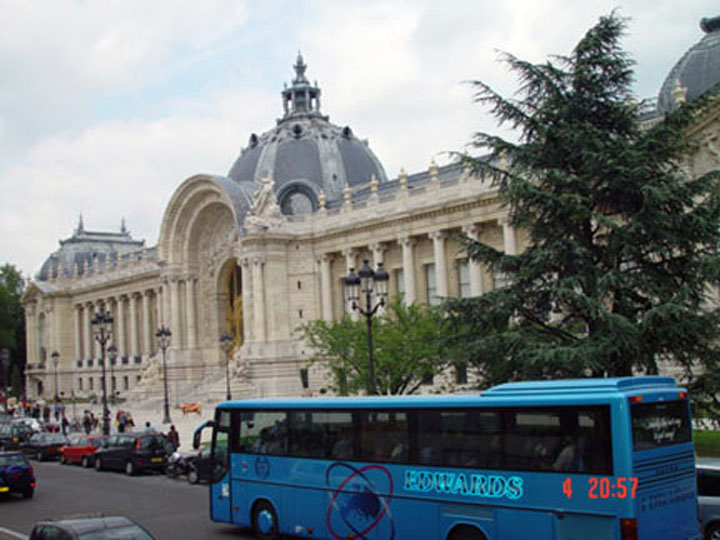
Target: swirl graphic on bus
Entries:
(359, 501)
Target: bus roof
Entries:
(557, 388)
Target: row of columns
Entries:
(408, 244)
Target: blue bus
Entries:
(607, 459)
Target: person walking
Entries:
(173, 438)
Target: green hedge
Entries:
(707, 443)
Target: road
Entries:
(169, 509)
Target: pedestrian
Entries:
(149, 428)
(64, 423)
(87, 422)
(173, 438)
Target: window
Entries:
(463, 275)
(80, 383)
(431, 285)
(660, 424)
(262, 432)
(91, 382)
(126, 382)
(708, 482)
(383, 436)
(461, 374)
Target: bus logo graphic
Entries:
(359, 501)
(262, 467)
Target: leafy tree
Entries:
(12, 322)
(622, 242)
(409, 346)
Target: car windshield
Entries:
(128, 532)
(12, 459)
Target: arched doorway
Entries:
(234, 305)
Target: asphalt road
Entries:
(169, 509)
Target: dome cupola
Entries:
(697, 72)
(305, 154)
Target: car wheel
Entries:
(28, 493)
(192, 476)
(85, 462)
(712, 532)
(63, 461)
(130, 468)
(264, 521)
(98, 464)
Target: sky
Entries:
(106, 107)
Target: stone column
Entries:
(438, 238)
(326, 286)
(134, 337)
(509, 238)
(78, 332)
(350, 262)
(147, 325)
(177, 339)
(120, 337)
(88, 350)
(474, 268)
(190, 308)
(259, 298)
(247, 300)
(96, 308)
(408, 243)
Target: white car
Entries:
(708, 482)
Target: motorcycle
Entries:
(180, 463)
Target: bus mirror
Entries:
(197, 435)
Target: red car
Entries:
(81, 449)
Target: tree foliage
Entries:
(12, 320)
(409, 344)
(622, 242)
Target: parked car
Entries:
(132, 452)
(33, 423)
(94, 528)
(13, 434)
(81, 449)
(708, 483)
(44, 445)
(16, 474)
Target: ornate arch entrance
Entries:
(234, 318)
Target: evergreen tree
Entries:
(622, 252)
(12, 323)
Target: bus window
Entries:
(263, 432)
(384, 436)
(660, 424)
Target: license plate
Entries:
(156, 459)
(4, 489)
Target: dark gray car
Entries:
(93, 528)
(708, 480)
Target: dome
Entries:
(305, 154)
(698, 71)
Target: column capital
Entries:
(349, 251)
(472, 230)
(258, 261)
(407, 240)
(377, 246)
(437, 235)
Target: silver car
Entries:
(708, 481)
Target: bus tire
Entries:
(264, 521)
(465, 532)
(712, 532)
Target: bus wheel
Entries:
(466, 533)
(713, 532)
(264, 521)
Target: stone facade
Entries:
(227, 259)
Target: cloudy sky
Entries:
(106, 106)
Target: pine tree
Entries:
(622, 242)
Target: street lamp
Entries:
(163, 336)
(5, 358)
(362, 283)
(55, 360)
(226, 344)
(112, 357)
(102, 325)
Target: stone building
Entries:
(265, 249)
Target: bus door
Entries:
(220, 495)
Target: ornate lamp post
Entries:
(226, 341)
(56, 360)
(112, 357)
(5, 359)
(102, 324)
(362, 283)
(163, 336)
